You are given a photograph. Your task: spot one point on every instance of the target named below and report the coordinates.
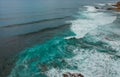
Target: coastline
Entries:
(116, 7)
(12, 46)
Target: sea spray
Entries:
(91, 21)
(90, 51)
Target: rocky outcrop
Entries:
(116, 7)
(72, 75)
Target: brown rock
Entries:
(65, 75)
(80, 75)
(117, 7)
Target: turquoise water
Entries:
(90, 44)
(91, 47)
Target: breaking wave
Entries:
(94, 50)
(92, 19)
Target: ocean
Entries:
(48, 38)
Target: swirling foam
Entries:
(93, 20)
(90, 63)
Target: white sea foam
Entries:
(59, 72)
(69, 37)
(115, 45)
(101, 4)
(90, 63)
(91, 9)
(93, 19)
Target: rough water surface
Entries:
(91, 47)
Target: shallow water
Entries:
(93, 50)
(90, 45)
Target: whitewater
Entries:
(93, 49)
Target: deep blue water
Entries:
(51, 37)
(16, 13)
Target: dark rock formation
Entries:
(72, 75)
(116, 7)
(44, 68)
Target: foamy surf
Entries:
(93, 20)
(91, 9)
(90, 63)
(96, 54)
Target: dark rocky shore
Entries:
(72, 75)
(116, 7)
(10, 47)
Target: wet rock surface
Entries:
(116, 7)
(72, 75)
